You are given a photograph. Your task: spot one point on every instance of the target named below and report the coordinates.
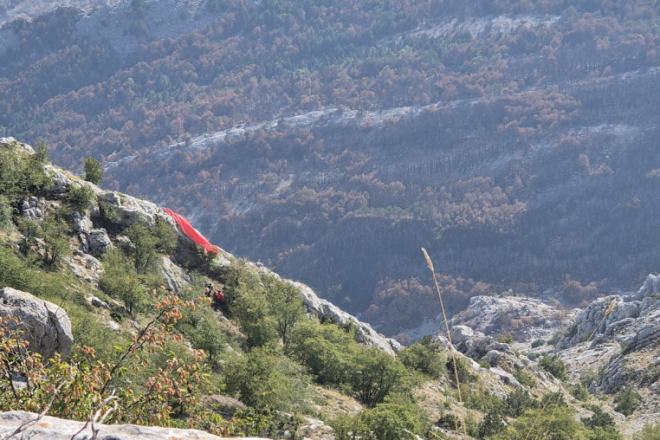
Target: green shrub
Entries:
(557, 424)
(144, 252)
(650, 432)
(465, 374)
(79, 197)
(6, 213)
(525, 378)
(93, 171)
(22, 174)
(599, 419)
(120, 280)
(426, 357)
(553, 399)
(627, 401)
(506, 339)
(54, 233)
(554, 366)
(203, 330)
(538, 343)
(517, 402)
(286, 307)
(14, 271)
(479, 399)
(252, 311)
(587, 378)
(555, 338)
(375, 374)
(265, 379)
(326, 350)
(492, 423)
(166, 236)
(398, 419)
(334, 357)
(47, 240)
(580, 392)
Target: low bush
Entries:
(650, 432)
(554, 366)
(396, 419)
(266, 379)
(538, 343)
(627, 401)
(425, 356)
(580, 392)
(525, 378)
(79, 197)
(517, 402)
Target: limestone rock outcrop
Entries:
(523, 318)
(46, 326)
(632, 320)
(51, 428)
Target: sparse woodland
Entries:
(532, 166)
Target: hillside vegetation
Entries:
(150, 350)
(516, 140)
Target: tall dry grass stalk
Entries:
(451, 345)
(609, 310)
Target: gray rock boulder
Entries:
(13, 143)
(51, 428)
(98, 242)
(97, 302)
(127, 210)
(33, 208)
(460, 334)
(81, 223)
(175, 277)
(46, 326)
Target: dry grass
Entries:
(429, 262)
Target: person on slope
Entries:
(218, 299)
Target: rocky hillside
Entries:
(107, 289)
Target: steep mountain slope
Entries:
(95, 255)
(331, 140)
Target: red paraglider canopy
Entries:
(192, 233)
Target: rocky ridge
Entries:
(525, 319)
(127, 210)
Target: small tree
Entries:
(376, 374)
(286, 308)
(56, 240)
(93, 171)
(79, 197)
(119, 280)
(425, 356)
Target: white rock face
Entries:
(175, 277)
(523, 318)
(51, 428)
(625, 341)
(633, 320)
(46, 326)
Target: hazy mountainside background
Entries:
(517, 141)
